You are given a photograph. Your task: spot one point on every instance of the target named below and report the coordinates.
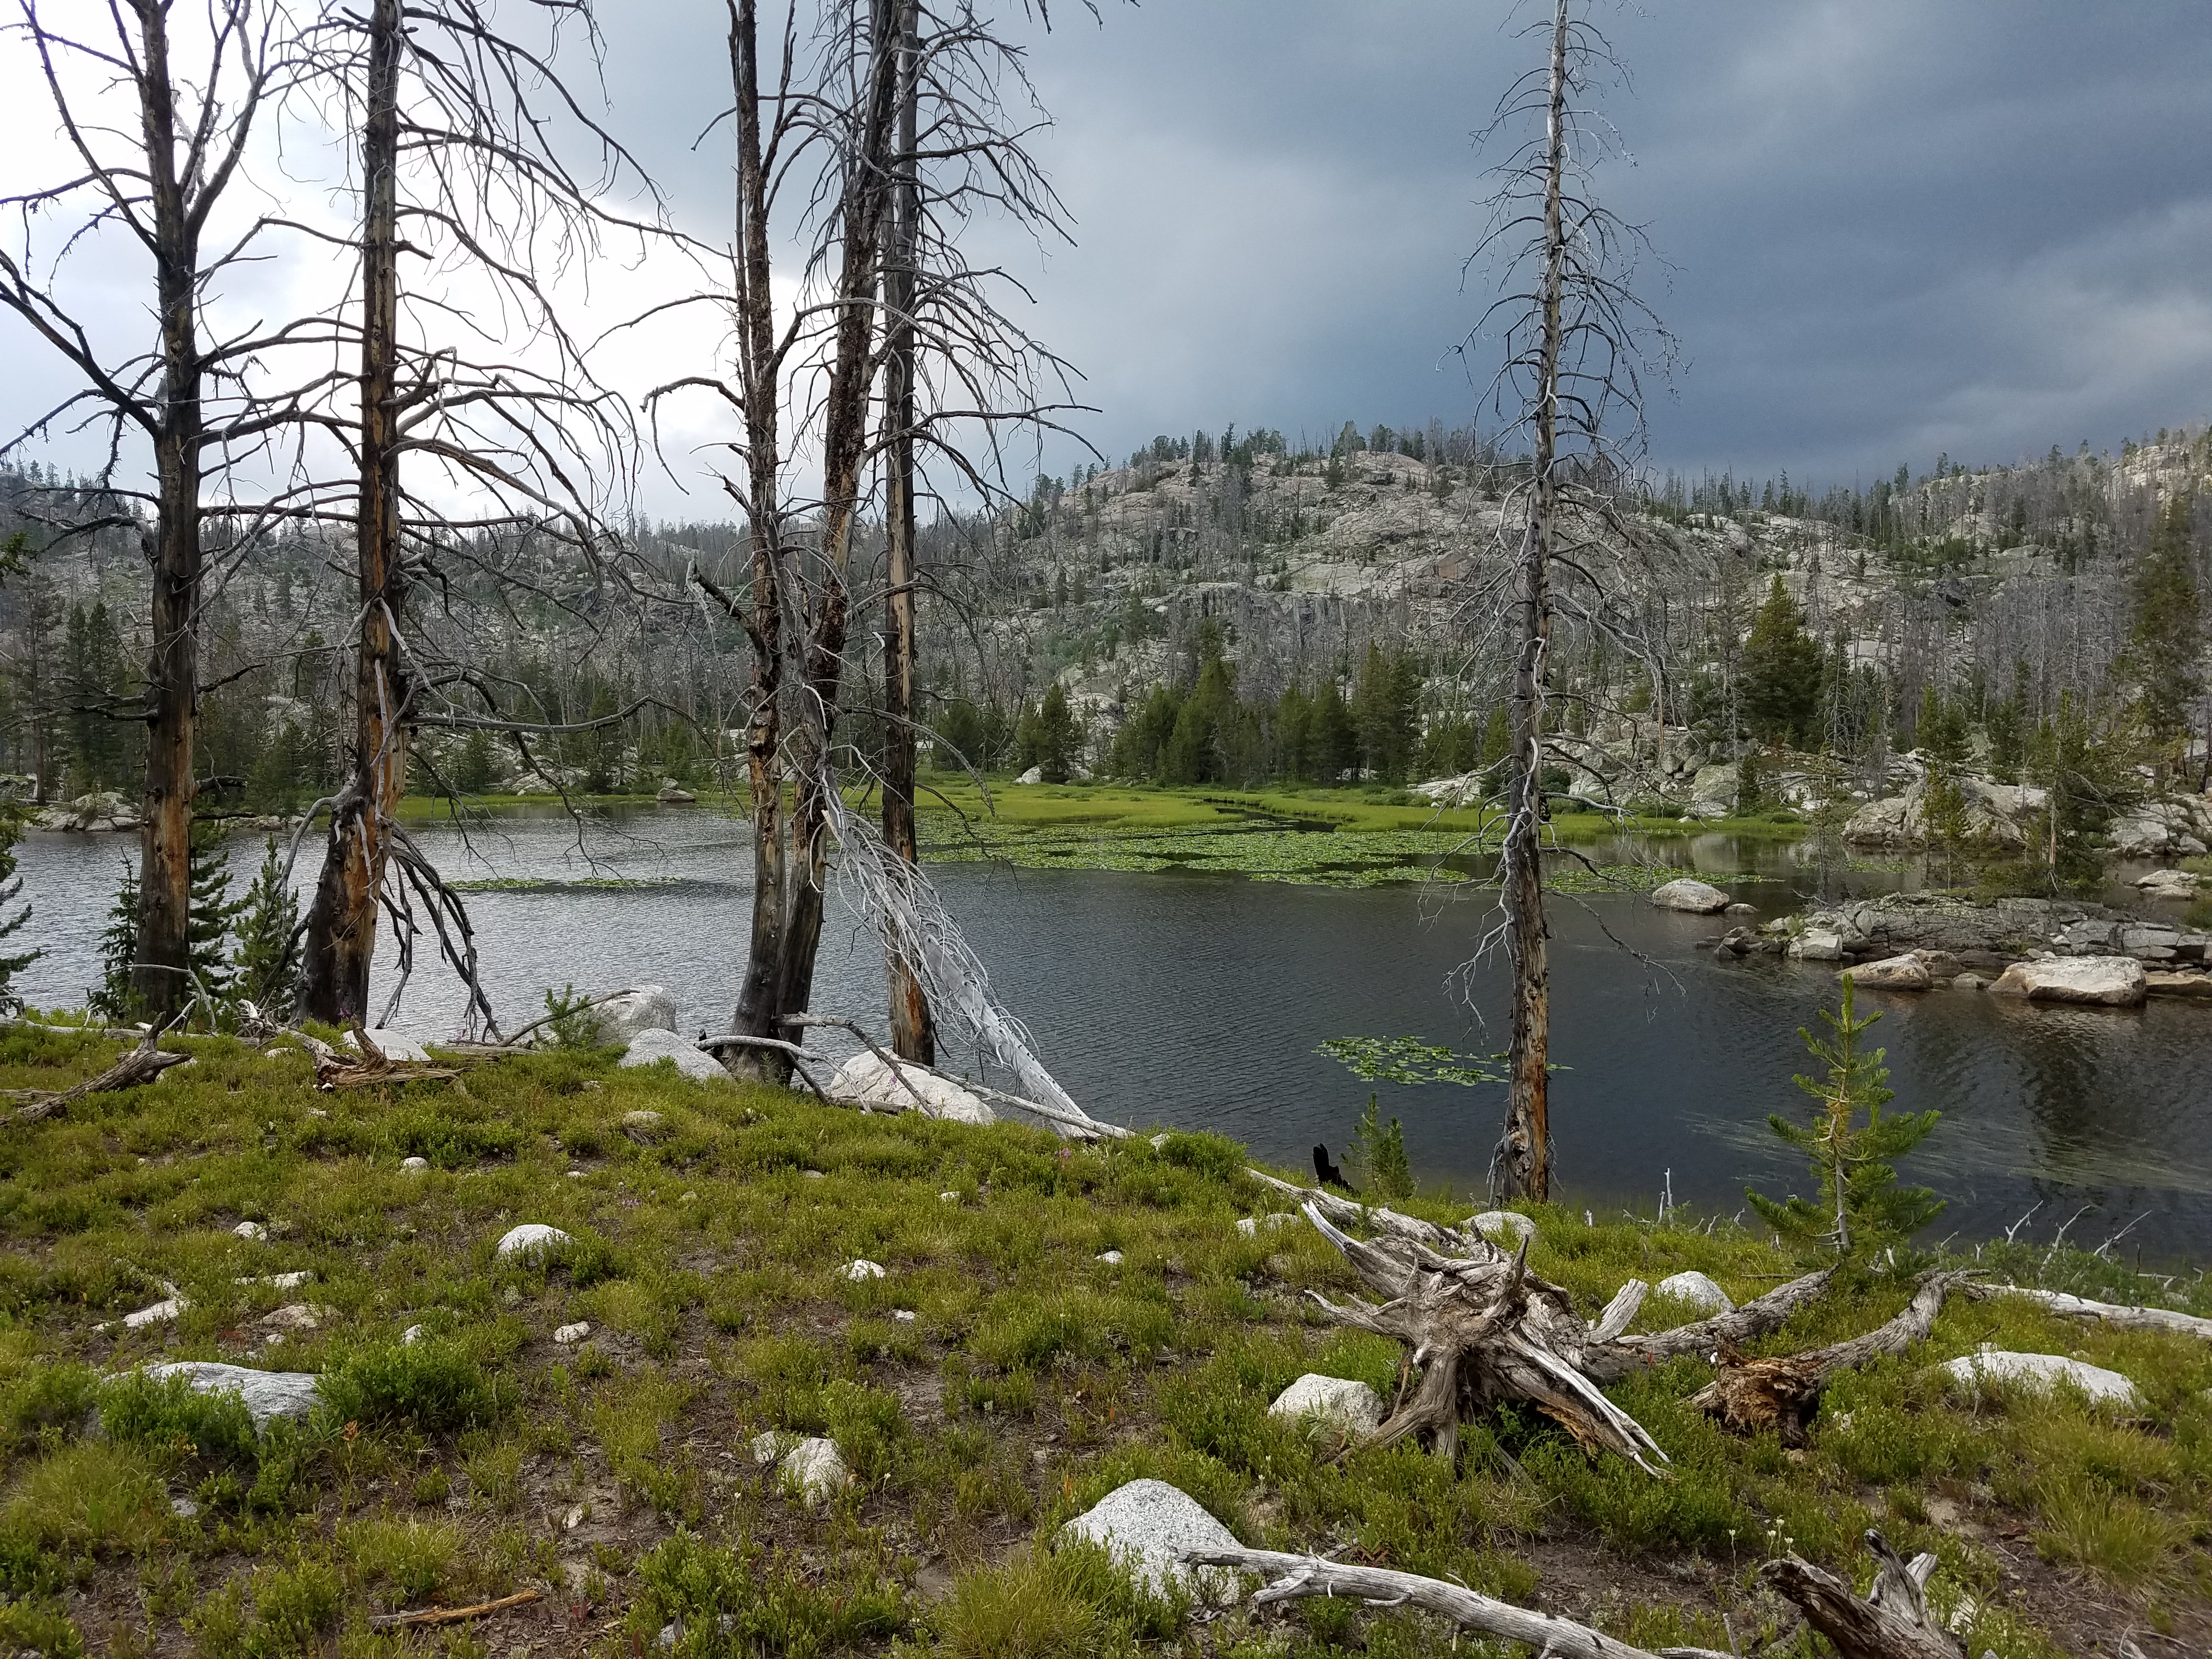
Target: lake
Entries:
(1197, 1000)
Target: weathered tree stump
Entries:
(1892, 1622)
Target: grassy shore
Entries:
(613, 1476)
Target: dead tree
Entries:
(886, 214)
(455, 166)
(160, 146)
(1570, 328)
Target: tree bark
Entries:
(158, 977)
(1526, 1159)
(341, 935)
(913, 1033)
(1892, 1622)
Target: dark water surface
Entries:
(1198, 1000)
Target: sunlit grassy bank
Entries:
(613, 1475)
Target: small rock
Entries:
(814, 1470)
(668, 1637)
(293, 1316)
(183, 1508)
(1510, 1222)
(948, 1198)
(1817, 944)
(568, 1335)
(1970, 982)
(861, 1271)
(2041, 1372)
(770, 1447)
(160, 1314)
(1698, 1291)
(1340, 1401)
(674, 793)
(533, 1241)
(265, 1393)
(642, 1125)
(1111, 1258)
(414, 1163)
(1740, 909)
(1250, 1226)
(1905, 973)
(252, 1231)
(573, 1518)
(1150, 1525)
(653, 1045)
(411, 1336)
(1159, 1142)
(904, 1315)
(812, 1174)
(1698, 897)
(289, 1281)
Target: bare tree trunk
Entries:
(341, 935)
(158, 975)
(913, 1033)
(759, 1012)
(1526, 1164)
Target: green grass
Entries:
(616, 1476)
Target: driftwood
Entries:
(141, 1065)
(1783, 1393)
(2109, 1313)
(1607, 1362)
(1310, 1575)
(1350, 1212)
(1485, 1333)
(1892, 1622)
(336, 1069)
(429, 1616)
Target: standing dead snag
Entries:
(1783, 1393)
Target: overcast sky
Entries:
(1890, 228)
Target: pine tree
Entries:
(11, 888)
(1780, 678)
(115, 999)
(267, 955)
(207, 928)
(1850, 1143)
(2168, 635)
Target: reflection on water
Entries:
(1198, 1000)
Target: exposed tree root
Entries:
(1308, 1575)
(336, 1069)
(1892, 1622)
(1486, 1332)
(1783, 1393)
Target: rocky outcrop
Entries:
(2040, 1373)
(1905, 973)
(2103, 982)
(266, 1394)
(2177, 886)
(1980, 936)
(105, 810)
(672, 794)
(2175, 828)
(1991, 816)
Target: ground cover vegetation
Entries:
(612, 1475)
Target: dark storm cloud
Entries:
(1889, 229)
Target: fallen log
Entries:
(1783, 1393)
(1351, 1213)
(1310, 1575)
(2114, 1314)
(1890, 1622)
(336, 1069)
(141, 1065)
(1608, 1362)
(1485, 1333)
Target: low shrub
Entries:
(169, 1417)
(430, 1384)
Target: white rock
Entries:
(1905, 973)
(2110, 982)
(674, 793)
(414, 1163)
(1035, 775)
(288, 1281)
(620, 1020)
(948, 1198)
(2167, 884)
(1492, 1222)
(770, 1447)
(160, 1314)
(1111, 1258)
(254, 1232)
(1340, 1401)
(265, 1393)
(1700, 1291)
(904, 1315)
(1149, 1525)
(392, 1045)
(642, 1125)
(294, 1316)
(2041, 1372)
(859, 1271)
(1817, 944)
(1699, 897)
(814, 1471)
(411, 1336)
(568, 1335)
(864, 1080)
(532, 1240)
(1250, 1226)
(653, 1045)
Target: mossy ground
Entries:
(616, 1478)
